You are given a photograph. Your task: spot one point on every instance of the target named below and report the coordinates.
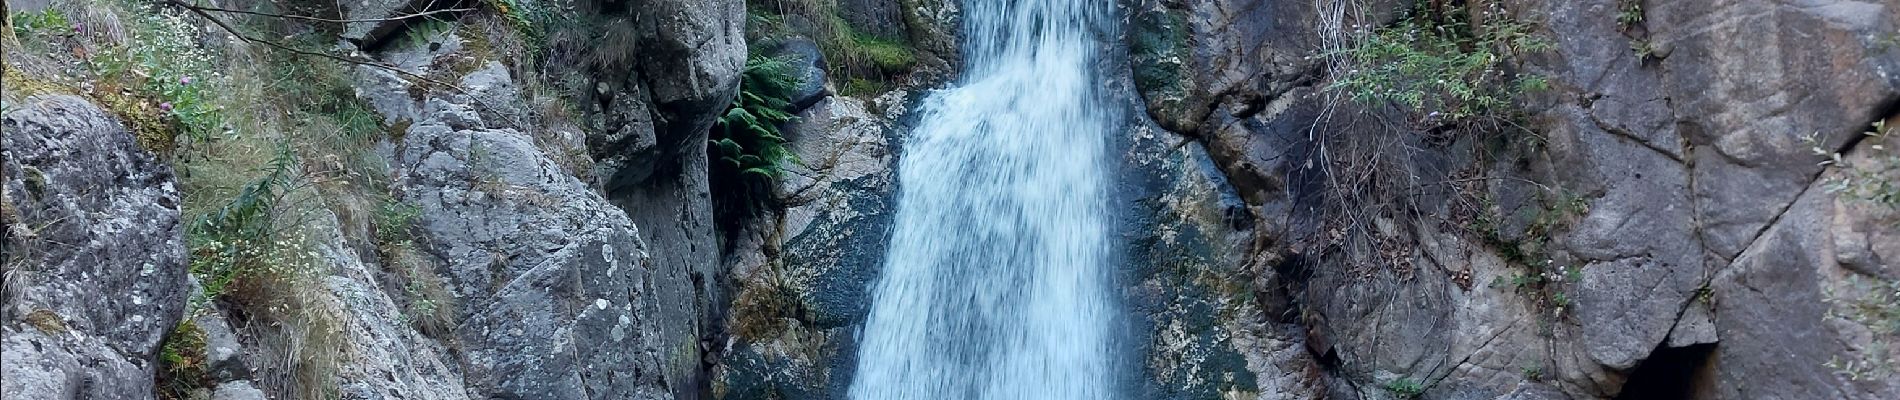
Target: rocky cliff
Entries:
(487, 227)
(395, 199)
(1659, 221)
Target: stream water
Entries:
(996, 284)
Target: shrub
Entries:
(1441, 65)
(231, 242)
(1875, 305)
(48, 21)
(745, 146)
(1872, 181)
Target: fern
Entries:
(746, 147)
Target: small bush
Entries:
(232, 242)
(1440, 65)
(48, 21)
(1875, 305)
(1870, 182)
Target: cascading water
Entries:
(996, 284)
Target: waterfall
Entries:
(996, 282)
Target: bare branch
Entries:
(365, 62)
(339, 21)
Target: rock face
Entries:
(1671, 218)
(1191, 258)
(559, 294)
(95, 258)
(803, 276)
(554, 299)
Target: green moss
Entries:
(862, 87)
(1159, 45)
(887, 55)
(46, 321)
(19, 85)
(155, 132)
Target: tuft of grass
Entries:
(887, 55)
(46, 321)
(427, 303)
(862, 87)
(182, 363)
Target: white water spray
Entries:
(996, 283)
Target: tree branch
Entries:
(339, 21)
(202, 12)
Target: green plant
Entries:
(1440, 65)
(1630, 13)
(1871, 181)
(231, 242)
(181, 361)
(48, 21)
(850, 53)
(164, 68)
(393, 221)
(1875, 305)
(1534, 373)
(1644, 48)
(861, 87)
(745, 145)
(1405, 387)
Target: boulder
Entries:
(794, 320)
(809, 63)
(95, 259)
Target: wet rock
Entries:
(95, 254)
(1190, 246)
(804, 55)
(933, 26)
(881, 18)
(794, 321)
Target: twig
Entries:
(241, 36)
(339, 21)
